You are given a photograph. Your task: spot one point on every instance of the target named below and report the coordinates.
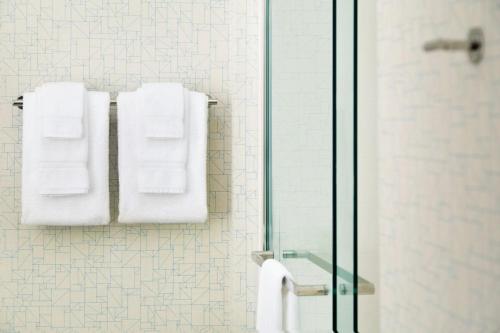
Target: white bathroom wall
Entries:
(148, 278)
(439, 185)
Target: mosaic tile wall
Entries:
(439, 135)
(149, 278)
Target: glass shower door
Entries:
(345, 243)
(310, 154)
(300, 146)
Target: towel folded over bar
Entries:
(277, 307)
(63, 106)
(65, 180)
(156, 206)
(162, 109)
(63, 151)
(163, 158)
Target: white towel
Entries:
(63, 106)
(188, 207)
(162, 105)
(62, 160)
(63, 178)
(277, 307)
(91, 208)
(161, 177)
(162, 162)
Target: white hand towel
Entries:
(161, 177)
(162, 105)
(90, 208)
(277, 307)
(162, 167)
(137, 207)
(63, 106)
(62, 160)
(63, 178)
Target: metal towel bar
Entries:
(300, 290)
(19, 102)
(365, 287)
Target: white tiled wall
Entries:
(149, 278)
(439, 122)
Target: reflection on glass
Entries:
(345, 158)
(302, 152)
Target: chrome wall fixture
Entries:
(19, 102)
(473, 45)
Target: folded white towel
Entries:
(277, 307)
(63, 106)
(187, 207)
(162, 105)
(63, 178)
(161, 177)
(162, 162)
(63, 160)
(90, 208)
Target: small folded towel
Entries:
(91, 208)
(63, 178)
(162, 163)
(187, 207)
(163, 107)
(161, 177)
(62, 160)
(277, 307)
(63, 106)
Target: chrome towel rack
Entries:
(364, 287)
(19, 102)
(300, 290)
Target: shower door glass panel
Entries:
(301, 135)
(309, 198)
(346, 306)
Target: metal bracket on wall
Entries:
(473, 45)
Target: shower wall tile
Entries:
(439, 169)
(146, 278)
